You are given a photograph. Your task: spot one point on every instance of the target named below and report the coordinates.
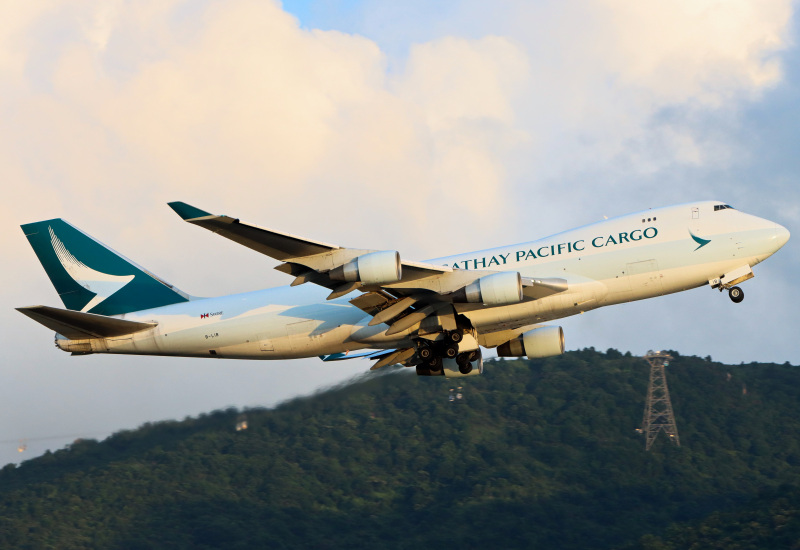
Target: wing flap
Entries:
(382, 357)
(397, 357)
(77, 325)
(371, 302)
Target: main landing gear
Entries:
(433, 354)
(464, 361)
(736, 295)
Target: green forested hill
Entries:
(769, 522)
(538, 454)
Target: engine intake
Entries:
(496, 289)
(534, 344)
(375, 268)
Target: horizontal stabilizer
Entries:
(77, 325)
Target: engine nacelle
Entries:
(534, 344)
(375, 268)
(496, 289)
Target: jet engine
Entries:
(534, 344)
(496, 289)
(375, 268)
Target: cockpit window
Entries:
(723, 207)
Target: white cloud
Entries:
(695, 50)
(234, 103)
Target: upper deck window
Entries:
(723, 207)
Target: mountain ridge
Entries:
(537, 453)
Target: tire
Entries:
(456, 337)
(425, 352)
(465, 368)
(434, 365)
(450, 352)
(736, 295)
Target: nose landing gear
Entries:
(736, 294)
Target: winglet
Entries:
(187, 211)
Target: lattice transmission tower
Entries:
(658, 415)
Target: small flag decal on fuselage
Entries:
(212, 314)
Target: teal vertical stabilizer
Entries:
(91, 277)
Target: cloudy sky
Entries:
(431, 128)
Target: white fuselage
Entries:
(619, 260)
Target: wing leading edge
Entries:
(419, 291)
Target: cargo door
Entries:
(645, 278)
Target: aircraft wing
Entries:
(306, 259)
(398, 292)
(382, 357)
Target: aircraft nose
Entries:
(781, 236)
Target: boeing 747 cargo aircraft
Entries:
(435, 315)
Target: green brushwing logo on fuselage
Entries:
(701, 242)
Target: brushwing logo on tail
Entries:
(101, 284)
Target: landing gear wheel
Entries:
(434, 365)
(451, 351)
(736, 295)
(464, 361)
(455, 336)
(425, 352)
